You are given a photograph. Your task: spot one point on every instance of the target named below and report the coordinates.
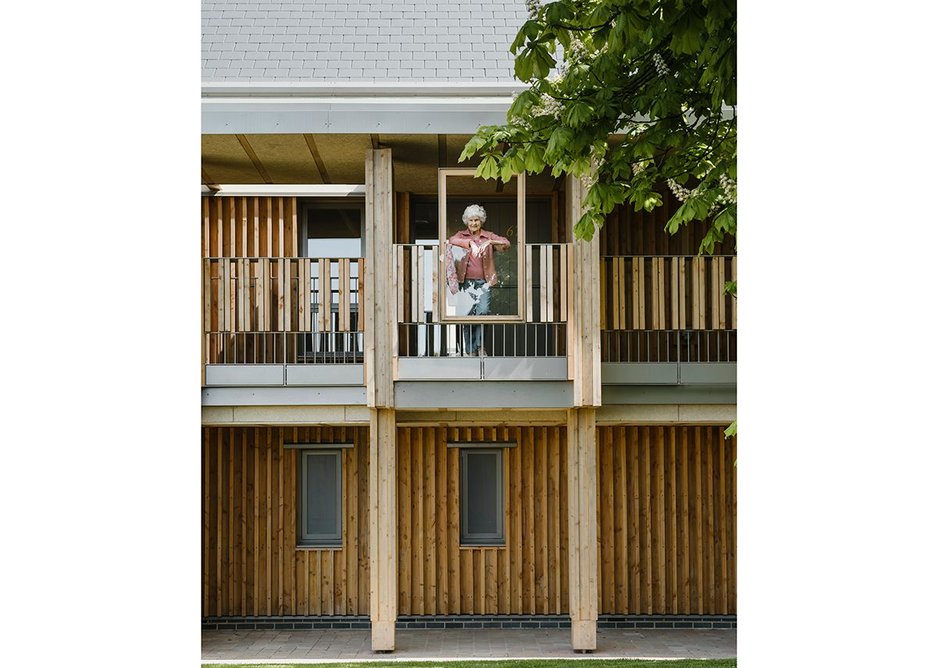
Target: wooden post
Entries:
(382, 491)
(379, 344)
(380, 331)
(583, 325)
(582, 534)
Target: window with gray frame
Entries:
(320, 516)
(482, 506)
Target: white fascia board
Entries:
(385, 89)
(289, 190)
(354, 107)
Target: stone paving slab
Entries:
(322, 646)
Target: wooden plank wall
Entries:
(526, 576)
(667, 520)
(249, 227)
(627, 232)
(250, 562)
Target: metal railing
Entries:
(284, 348)
(531, 339)
(647, 345)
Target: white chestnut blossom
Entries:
(533, 6)
(548, 106)
(661, 66)
(729, 190)
(682, 193)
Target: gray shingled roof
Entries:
(359, 40)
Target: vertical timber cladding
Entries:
(650, 279)
(667, 520)
(529, 575)
(240, 294)
(249, 227)
(251, 565)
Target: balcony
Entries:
(431, 348)
(283, 321)
(296, 322)
(666, 320)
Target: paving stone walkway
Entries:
(348, 645)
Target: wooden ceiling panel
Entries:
(286, 158)
(415, 162)
(224, 160)
(344, 156)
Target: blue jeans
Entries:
(472, 334)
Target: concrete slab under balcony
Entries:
(482, 368)
(496, 394)
(669, 373)
(266, 375)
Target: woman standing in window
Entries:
(474, 264)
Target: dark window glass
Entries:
(481, 497)
(321, 498)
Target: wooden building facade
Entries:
(383, 445)
(351, 442)
(665, 515)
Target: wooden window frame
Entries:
(443, 236)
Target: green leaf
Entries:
(534, 158)
(542, 61)
(524, 65)
(730, 431)
(559, 139)
(577, 113)
(652, 201)
(522, 103)
(557, 12)
(529, 30)
(586, 226)
(488, 168)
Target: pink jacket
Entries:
(462, 239)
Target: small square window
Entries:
(320, 516)
(482, 506)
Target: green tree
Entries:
(633, 95)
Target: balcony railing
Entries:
(282, 310)
(523, 339)
(669, 292)
(663, 346)
(421, 333)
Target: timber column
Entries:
(379, 340)
(585, 370)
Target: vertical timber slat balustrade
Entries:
(380, 338)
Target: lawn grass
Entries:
(506, 663)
